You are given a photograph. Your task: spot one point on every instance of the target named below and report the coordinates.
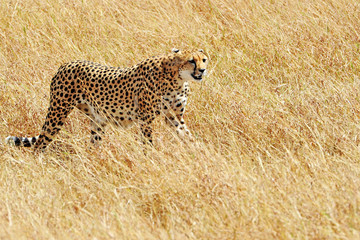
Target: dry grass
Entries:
(276, 122)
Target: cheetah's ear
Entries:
(203, 52)
(175, 50)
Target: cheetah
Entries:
(121, 96)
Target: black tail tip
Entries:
(14, 141)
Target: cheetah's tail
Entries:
(21, 141)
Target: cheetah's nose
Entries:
(202, 71)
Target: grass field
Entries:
(276, 121)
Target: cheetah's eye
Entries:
(204, 60)
(192, 61)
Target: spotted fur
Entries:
(121, 96)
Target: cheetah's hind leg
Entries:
(98, 123)
(54, 119)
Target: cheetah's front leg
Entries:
(177, 121)
(181, 128)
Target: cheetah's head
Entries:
(192, 64)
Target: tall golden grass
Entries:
(276, 123)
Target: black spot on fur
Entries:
(17, 141)
(26, 142)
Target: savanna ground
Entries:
(277, 123)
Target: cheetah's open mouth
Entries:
(199, 78)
